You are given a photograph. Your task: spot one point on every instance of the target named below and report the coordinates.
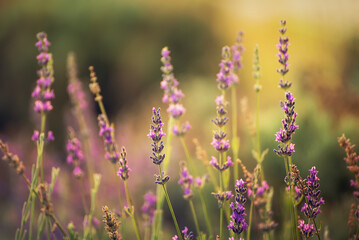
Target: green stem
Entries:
(194, 216)
(188, 156)
(133, 216)
(48, 227)
(157, 221)
(316, 229)
(205, 211)
(42, 131)
(194, 170)
(221, 223)
(250, 220)
(170, 205)
(235, 138)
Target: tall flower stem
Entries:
(130, 206)
(157, 222)
(221, 190)
(235, 138)
(194, 216)
(250, 220)
(203, 201)
(170, 205)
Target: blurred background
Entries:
(123, 40)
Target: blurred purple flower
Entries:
(225, 76)
(74, 154)
(283, 55)
(149, 206)
(186, 181)
(124, 169)
(106, 131)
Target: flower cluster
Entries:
(222, 196)
(74, 88)
(186, 181)
(148, 208)
(237, 52)
(106, 132)
(11, 159)
(74, 154)
(156, 133)
(186, 235)
(351, 160)
(237, 223)
(284, 135)
(283, 55)
(225, 76)
(43, 92)
(124, 169)
(219, 141)
(112, 224)
(313, 202)
(224, 166)
(172, 95)
(169, 83)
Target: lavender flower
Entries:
(169, 83)
(284, 135)
(148, 208)
(306, 229)
(43, 92)
(124, 169)
(226, 77)
(224, 166)
(186, 235)
(186, 181)
(283, 55)
(222, 196)
(237, 223)
(313, 202)
(106, 131)
(156, 133)
(312, 209)
(237, 51)
(74, 154)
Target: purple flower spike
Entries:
(187, 235)
(148, 208)
(306, 229)
(106, 131)
(124, 169)
(312, 209)
(50, 136)
(74, 154)
(284, 135)
(283, 56)
(156, 134)
(226, 77)
(185, 181)
(35, 136)
(42, 92)
(238, 223)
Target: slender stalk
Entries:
(48, 227)
(157, 222)
(206, 216)
(194, 170)
(130, 206)
(250, 220)
(84, 202)
(170, 206)
(42, 131)
(194, 216)
(316, 229)
(221, 190)
(235, 138)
